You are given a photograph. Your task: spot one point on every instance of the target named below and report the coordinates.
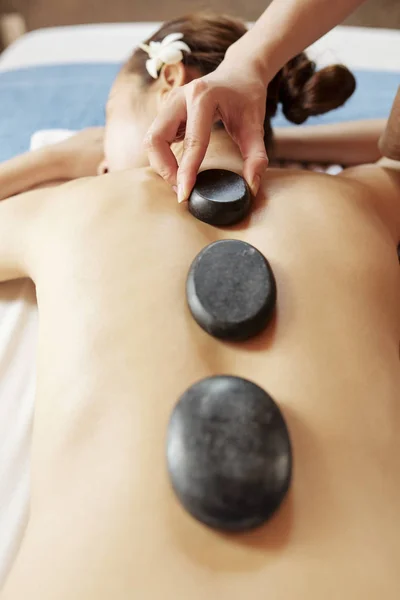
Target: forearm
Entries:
(350, 143)
(286, 28)
(30, 170)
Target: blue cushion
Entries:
(74, 96)
(65, 96)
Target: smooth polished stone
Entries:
(231, 290)
(229, 454)
(220, 197)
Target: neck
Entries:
(222, 153)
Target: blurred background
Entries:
(18, 16)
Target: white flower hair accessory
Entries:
(168, 52)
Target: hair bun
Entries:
(305, 92)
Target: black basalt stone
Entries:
(229, 453)
(220, 197)
(231, 290)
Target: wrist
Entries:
(254, 54)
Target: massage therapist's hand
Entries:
(234, 93)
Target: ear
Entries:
(102, 169)
(172, 76)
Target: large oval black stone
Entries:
(229, 454)
(220, 197)
(231, 290)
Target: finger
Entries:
(201, 109)
(250, 139)
(163, 131)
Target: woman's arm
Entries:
(19, 223)
(351, 143)
(79, 156)
(237, 91)
(30, 170)
(389, 143)
(286, 28)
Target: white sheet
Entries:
(78, 44)
(18, 333)
(373, 49)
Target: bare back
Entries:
(118, 346)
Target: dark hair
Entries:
(298, 86)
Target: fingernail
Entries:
(181, 193)
(255, 185)
(174, 187)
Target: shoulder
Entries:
(95, 202)
(307, 190)
(380, 185)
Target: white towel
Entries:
(47, 137)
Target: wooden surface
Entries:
(44, 13)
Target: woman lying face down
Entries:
(118, 346)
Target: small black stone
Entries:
(220, 197)
(231, 290)
(229, 453)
